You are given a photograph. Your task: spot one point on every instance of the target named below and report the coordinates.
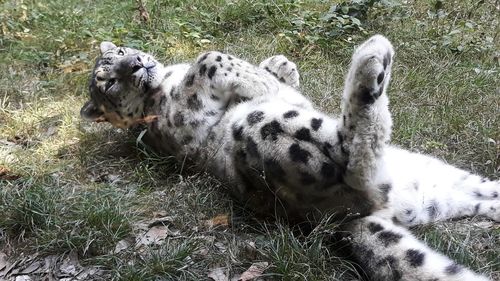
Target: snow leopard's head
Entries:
(120, 84)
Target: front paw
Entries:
(283, 69)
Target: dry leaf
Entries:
(484, 224)
(70, 265)
(20, 140)
(73, 66)
(100, 119)
(106, 178)
(50, 262)
(155, 235)
(219, 220)
(159, 214)
(254, 271)
(166, 221)
(52, 130)
(3, 262)
(9, 268)
(24, 13)
(143, 13)
(59, 267)
(23, 278)
(6, 174)
(217, 274)
(5, 31)
(147, 119)
(68, 269)
(88, 272)
(121, 245)
(202, 252)
(31, 268)
(24, 36)
(222, 248)
(250, 250)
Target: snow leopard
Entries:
(251, 127)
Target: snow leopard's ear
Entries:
(106, 46)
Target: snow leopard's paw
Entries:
(283, 69)
(371, 69)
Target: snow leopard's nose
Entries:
(148, 61)
(138, 65)
(143, 61)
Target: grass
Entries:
(69, 186)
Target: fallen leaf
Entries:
(155, 235)
(70, 265)
(52, 130)
(20, 140)
(166, 221)
(49, 263)
(88, 272)
(6, 174)
(5, 31)
(23, 278)
(100, 119)
(121, 245)
(254, 271)
(203, 252)
(150, 118)
(106, 178)
(159, 214)
(484, 224)
(147, 119)
(249, 250)
(217, 274)
(222, 248)
(219, 220)
(24, 36)
(9, 268)
(24, 13)
(143, 13)
(73, 66)
(31, 268)
(3, 262)
(140, 226)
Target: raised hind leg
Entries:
(366, 122)
(388, 252)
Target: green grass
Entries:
(90, 221)
(79, 187)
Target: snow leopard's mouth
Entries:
(144, 75)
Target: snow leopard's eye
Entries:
(121, 52)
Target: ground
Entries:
(88, 200)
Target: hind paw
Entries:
(283, 69)
(371, 68)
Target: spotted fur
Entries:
(251, 127)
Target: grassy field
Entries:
(85, 200)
